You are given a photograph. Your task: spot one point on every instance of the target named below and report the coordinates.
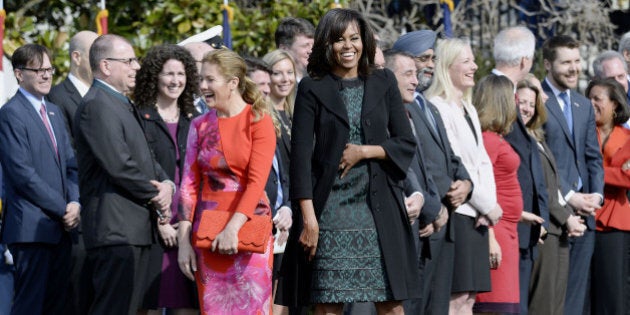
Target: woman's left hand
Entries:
(226, 242)
(495, 252)
(352, 154)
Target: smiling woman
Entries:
(164, 94)
(351, 146)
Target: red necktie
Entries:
(42, 112)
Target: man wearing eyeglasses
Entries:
(40, 179)
(123, 189)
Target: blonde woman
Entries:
(451, 93)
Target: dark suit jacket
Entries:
(115, 167)
(271, 187)
(67, 97)
(161, 143)
(577, 156)
(39, 183)
(441, 163)
(318, 138)
(531, 180)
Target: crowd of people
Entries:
(335, 175)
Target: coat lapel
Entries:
(327, 94)
(554, 108)
(39, 123)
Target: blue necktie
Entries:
(427, 113)
(567, 111)
(276, 169)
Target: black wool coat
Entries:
(318, 138)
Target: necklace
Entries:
(174, 117)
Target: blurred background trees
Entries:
(150, 22)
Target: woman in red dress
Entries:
(494, 100)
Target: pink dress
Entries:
(230, 158)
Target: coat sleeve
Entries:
(302, 142)
(19, 167)
(190, 184)
(400, 146)
(105, 135)
(593, 156)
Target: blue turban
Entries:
(416, 42)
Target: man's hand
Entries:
(584, 204)
(530, 218)
(441, 219)
(283, 219)
(575, 226)
(458, 192)
(162, 201)
(414, 205)
(72, 217)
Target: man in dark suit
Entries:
(452, 182)
(572, 137)
(40, 178)
(123, 188)
(68, 94)
(514, 54)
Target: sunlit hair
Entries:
(231, 65)
(535, 124)
(146, 90)
(494, 101)
(551, 45)
(616, 94)
(330, 28)
(598, 67)
(291, 27)
(271, 59)
(512, 44)
(447, 52)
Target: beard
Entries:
(423, 81)
(561, 81)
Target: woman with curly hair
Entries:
(164, 93)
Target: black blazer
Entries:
(442, 164)
(319, 135)
(68, 98)
(271, 187)
(531, 180)
(115, 167)
(160, 141)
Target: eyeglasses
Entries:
(425, 58)
(127, 61)
(41, 71)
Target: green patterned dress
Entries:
(348, 265)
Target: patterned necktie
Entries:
(42, 112)
(567, 111)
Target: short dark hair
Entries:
(616, 94)
(146, 90)
(551, 45)
(290, 27)
(255, 64)
(391, 54)
(330, 28)
(28, 54)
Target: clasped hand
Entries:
(162, 201)
(352, 154)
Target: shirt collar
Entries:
(36, 103)
(81, 87)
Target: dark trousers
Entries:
(117, 275)
(548, 285)
(75, 294)
(580, 254)
(525, 267)
(611, 273)
(42, 273)
(6, 284)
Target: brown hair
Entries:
(616, 94)
(535, 124)
(494, 101)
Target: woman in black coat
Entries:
(164, 93)
(351, 146)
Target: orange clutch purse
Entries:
(252, 237)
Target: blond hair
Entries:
(447, 52)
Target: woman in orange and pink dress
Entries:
(228, 158)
